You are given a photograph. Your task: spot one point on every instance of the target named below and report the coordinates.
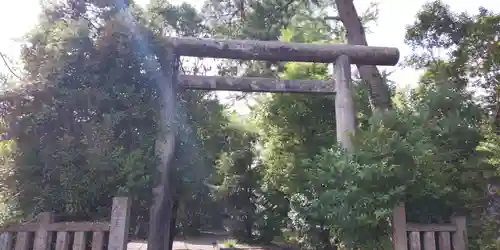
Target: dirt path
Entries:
(192, 243)
(178, 245)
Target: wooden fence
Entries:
(70, 235)
(427, 236)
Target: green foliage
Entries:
(294, 128)
(182, 20)
(238, 187)
(85, 128)
(8, 206)
(238, 181)
(422, 155)
(472, 43)
(230, 243)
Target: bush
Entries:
(423, 154)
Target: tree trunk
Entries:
(379, 92)
(173, 223)
(496, 116)
(324, 237)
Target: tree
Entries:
(84, 126)
(238, 174)
(411, 154)
(380, 96)
(472, 63)
(472, 43)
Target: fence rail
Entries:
(39, 235)
(428, 236)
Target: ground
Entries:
(191, 243)
(178, 245)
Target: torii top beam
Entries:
(282, 51)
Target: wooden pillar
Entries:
(6, 239)
(459, 237)
(23, 240)
(119, 224)
(399, 236)
(62, 241)
(345, 112)
(43, 238)
(80, 240)
(97, 240)
(167, 141)
(429, 240)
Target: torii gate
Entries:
(339, 54)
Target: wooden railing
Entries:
(70, 235)
(428, 236)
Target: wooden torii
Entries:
(161, 215)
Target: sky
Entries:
(19, 16)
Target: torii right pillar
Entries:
(345, 112)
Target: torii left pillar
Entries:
(162, 212)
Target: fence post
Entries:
(459, 237)
(6, 240)
(119, 224)
(43, 237)
(399, 236)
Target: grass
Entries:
(230, 243)
(233, 244)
